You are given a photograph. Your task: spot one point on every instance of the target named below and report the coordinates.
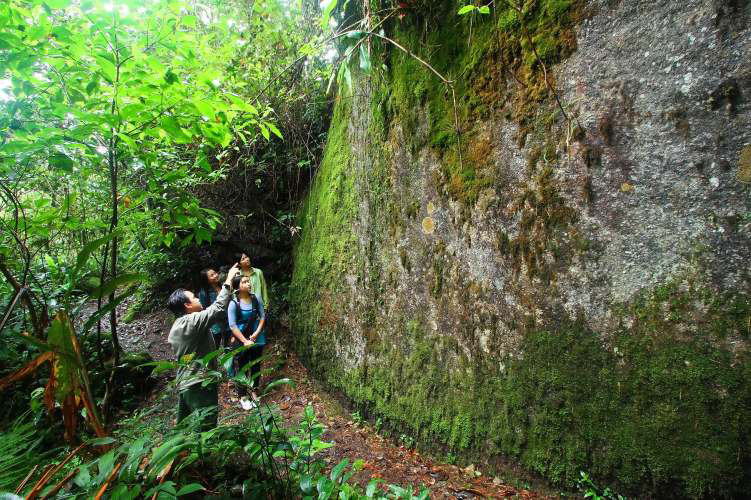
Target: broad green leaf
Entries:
(105, 465)
(242, 105)
(202, 235)
(168, 238)
(466, 9)
(189, 21)
(372, 488)
(101, 441)
(9, 41)
(62, 162)
(189, 488)
(203, 107)
(306, 483)
(347, 76)
(92, 86)
(167, 452)
(336, 472)
(13, 147)
(307, 50)
(264, 131)
(325, 487)
(170, 77)
(484, 9)
(88, 248)
(57, 4)
(131, 111)
(273, 129)
(108, 69)
(170, 125)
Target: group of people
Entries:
(232, 314)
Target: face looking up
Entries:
(193, 304)
(245, 285)
(245, 261)
(212, 277)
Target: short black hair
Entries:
(236, 282)
(239, 255)
(176, 302)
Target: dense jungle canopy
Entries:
(490, 248)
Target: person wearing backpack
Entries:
(246, 320)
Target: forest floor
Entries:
(353, 438)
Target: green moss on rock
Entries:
(653, 409)
(479, 60)
(326, 243)
(656, 405)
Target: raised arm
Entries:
(220, 304)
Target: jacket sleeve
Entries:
(264, 289)
(204, 318)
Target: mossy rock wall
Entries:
(567, 285)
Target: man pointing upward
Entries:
(190, 338)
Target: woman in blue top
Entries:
(210, 288)
(246, 321)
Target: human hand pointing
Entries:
(234, 271)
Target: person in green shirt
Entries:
(257, 281)
(190, 338)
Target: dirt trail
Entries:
(384, 458)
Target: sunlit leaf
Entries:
(326, 13)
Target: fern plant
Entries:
(18, 453)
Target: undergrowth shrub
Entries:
(257, 457)
(19, 452)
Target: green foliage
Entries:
(112, 118)
(357, 418)
(591, 490)
(482, 9)
(276, 462)
(91, 83)
(19, 452)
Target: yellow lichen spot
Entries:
(428, 225)
(744, 165)
(626, 187)
(431, 208)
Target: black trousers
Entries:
(254, 373)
